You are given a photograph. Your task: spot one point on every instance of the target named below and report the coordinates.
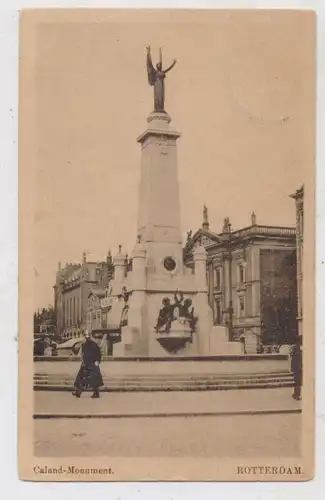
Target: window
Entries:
(74, 311)
(217, 278)
(66, 311)
(241, 306)
(241, 273)
(217, 319)
(70, 311)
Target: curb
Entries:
(49, 416)
(221, 387)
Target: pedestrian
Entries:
(89, 374)
(296, 367)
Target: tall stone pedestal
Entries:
(168, 310)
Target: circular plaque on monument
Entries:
(170, 264)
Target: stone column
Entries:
(202, 308)
(138, 270)
(255, 276)
(256, 294)
(298, 196)
(136, 324)
(299, 253)
(119, 271)
(133, 339)
(159, 220)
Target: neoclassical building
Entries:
(251, 279)
(298, 196)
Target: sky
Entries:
(241, 95)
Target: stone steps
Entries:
(170, 383)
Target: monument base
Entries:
(178, 341)
(177, 337)
(173, 373)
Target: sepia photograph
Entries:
(166, 327)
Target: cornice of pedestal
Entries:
(158, 127)
(161, 116)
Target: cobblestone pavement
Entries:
(217, 436)
(58, 403)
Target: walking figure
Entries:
(89, 375)
(296, 367)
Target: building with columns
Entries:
(73, 285)
(251, 276)
(298, 196)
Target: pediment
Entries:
(201, 238)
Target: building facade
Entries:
(107, 314)
(45, 322)
(298, 196)
(251, 281)
(71, 293)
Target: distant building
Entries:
(45, 322)
(298, 196)
(71, 292)
(107, 313)
(48, 327)
(96, 315)
(251, 280)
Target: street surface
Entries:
(216, 435)
(148, 403)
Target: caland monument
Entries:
(168, 310)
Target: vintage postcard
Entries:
(167, 165)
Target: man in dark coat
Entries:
(296, 367)
(89, 374)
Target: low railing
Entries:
(269, 230)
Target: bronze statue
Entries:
(165, 316)
(181, 309)
(156, 77)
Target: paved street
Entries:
(218, 436)
(114, 403)
(193, 435)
